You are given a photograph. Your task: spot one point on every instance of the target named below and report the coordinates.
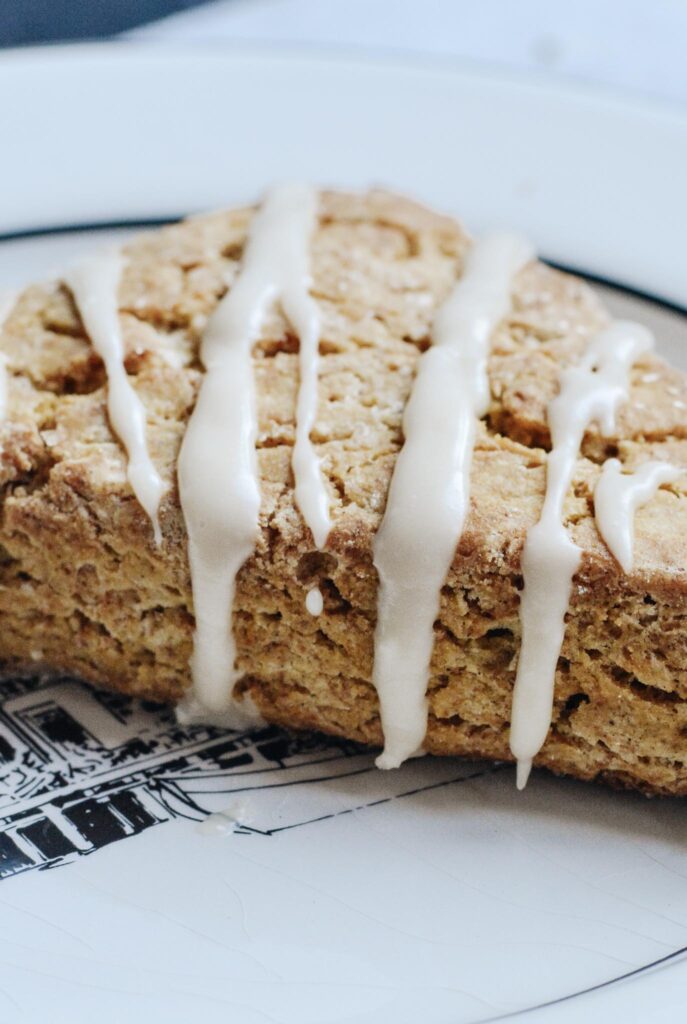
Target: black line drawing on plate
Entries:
(80, 769)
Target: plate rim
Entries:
(130, 47)
(584, 143)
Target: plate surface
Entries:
(321, 890)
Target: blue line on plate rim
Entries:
(512, 1014)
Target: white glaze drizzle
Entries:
(218, 474)
(590, 392)
(4, 388)
(429, 492)
(7, 300)
(225, 822)
(618, 495)
(303, 315)
(94, 284)
(314, 601)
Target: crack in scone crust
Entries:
(84, 590)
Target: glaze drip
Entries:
(617, 497)
(7, 300)
(94, 284)
(314, 601)
(303, 315)
(217, 468)
(590, 392)
(430, 488)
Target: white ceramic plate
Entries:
(323, 890)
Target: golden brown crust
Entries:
(83, 589)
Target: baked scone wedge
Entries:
(85, 589)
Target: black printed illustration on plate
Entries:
(80, 769)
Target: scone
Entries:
(86, 590)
